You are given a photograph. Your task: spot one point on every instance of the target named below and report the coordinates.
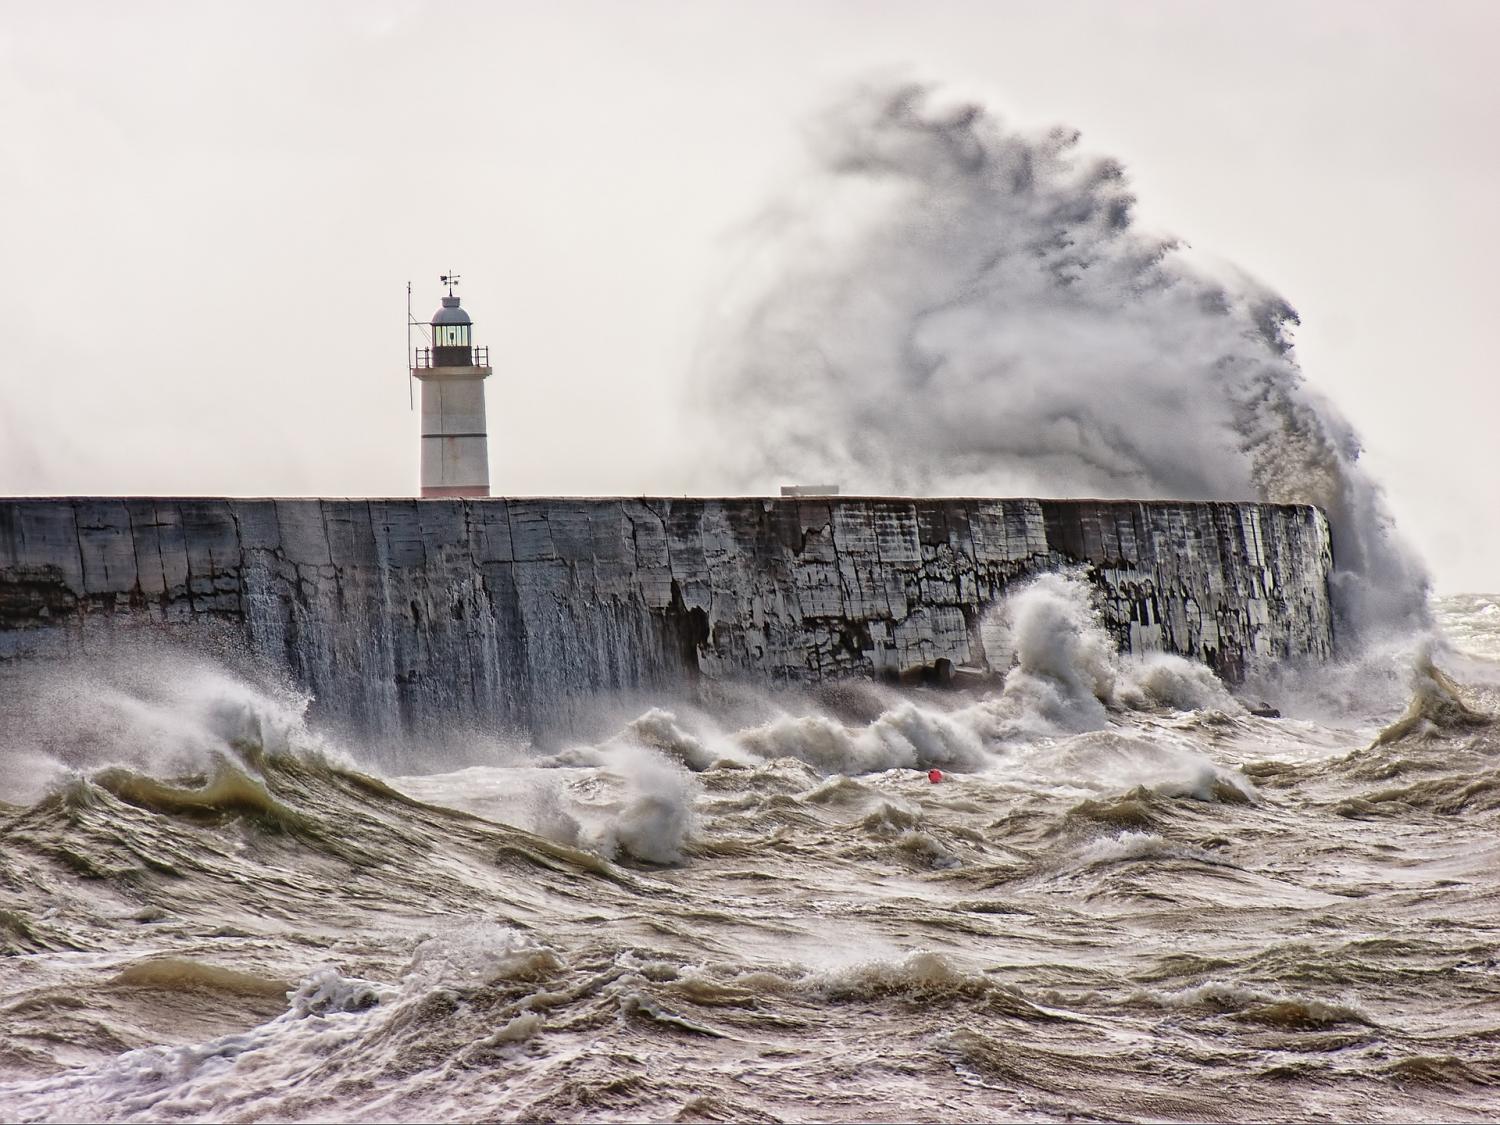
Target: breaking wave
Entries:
(953, 305)
(225, 915)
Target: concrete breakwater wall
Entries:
(514, 613)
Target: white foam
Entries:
(326, 991)
(1130, 846)
(1067, 679)
(661, 730)
(1167, 680)
(649, 815)
(201, 1080)
(473, 954)
(152, 709)
(1106, 762)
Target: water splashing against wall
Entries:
(952, 305)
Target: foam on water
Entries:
(1106, 762)
(475, 953)
(1130, 846)
(655, 816)
(550, 927)
(201, 1079)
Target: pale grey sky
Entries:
(210, 212)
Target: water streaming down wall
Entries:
(504, 613)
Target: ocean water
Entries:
(1127, 897)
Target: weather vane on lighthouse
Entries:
(452, 371)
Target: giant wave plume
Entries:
(949, 304)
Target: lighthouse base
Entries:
(455, 450)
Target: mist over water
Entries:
(949, 304)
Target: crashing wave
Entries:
(1437, 708)
(955, 305)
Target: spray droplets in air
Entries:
(951, 305)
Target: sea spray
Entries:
(1065, 664)
(148, 707)
(656, 816)
(952, 305)
(1062, 677)
(1067, 672)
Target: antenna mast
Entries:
(411, 398)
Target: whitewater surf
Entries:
(1128, 898)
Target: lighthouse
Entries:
(455, 454)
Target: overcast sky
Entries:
(210, 212)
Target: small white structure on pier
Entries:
(455, 449)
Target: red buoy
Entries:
(934, 776)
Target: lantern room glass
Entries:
(450, 335)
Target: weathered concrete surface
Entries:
(513, 613)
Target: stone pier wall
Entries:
(514, 614)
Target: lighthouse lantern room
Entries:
(455, 452)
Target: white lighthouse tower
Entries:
(455, 453)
